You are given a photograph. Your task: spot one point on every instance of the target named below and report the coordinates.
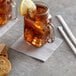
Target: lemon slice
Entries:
(5, 66)
(27, 5)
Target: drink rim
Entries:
(45, 4)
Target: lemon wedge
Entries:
(27, 5)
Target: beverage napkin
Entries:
(6, 27)
(42, 53)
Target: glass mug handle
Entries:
(14, 5)
(51, 37)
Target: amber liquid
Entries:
(5, 12)
(36, 29)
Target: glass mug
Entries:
(6, 11)
(38, 28)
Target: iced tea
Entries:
(37, 26)
(6, 11)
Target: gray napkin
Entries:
(5, 28)
(42, 53)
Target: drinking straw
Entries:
(65, 26)
(67, 39)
